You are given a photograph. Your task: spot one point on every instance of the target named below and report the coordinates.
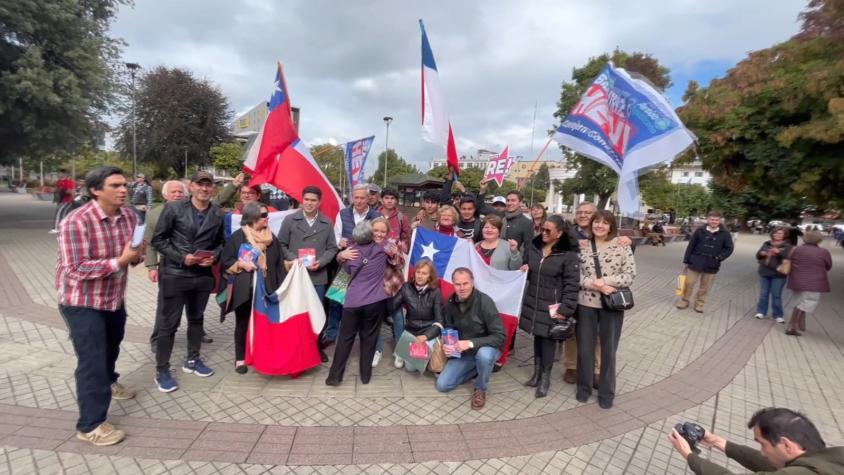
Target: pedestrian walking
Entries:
(808, 278)
(708, 247)
(553, 266)
(607, 268)
(94, 251)
(772, 278)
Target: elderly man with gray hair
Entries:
(173, 190)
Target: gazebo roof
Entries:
(415, 179)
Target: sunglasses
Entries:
(265, 215)
(547, 230)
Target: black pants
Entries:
(544, 349)
(591, 324)
(366, 322)
(241, 325)
(96, 337)
(153, 338)
(178, 293)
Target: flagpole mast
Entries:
(387, 121)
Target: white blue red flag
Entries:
(285, 162)
(355, 158)
(436, 127)
(283, 329)
(626, 124)
(506, 288)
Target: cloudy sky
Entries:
(350, 63)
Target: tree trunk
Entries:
(603, 199)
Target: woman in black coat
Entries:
(553, 266)
(267, 251)
(422, 302)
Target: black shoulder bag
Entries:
(622, 298)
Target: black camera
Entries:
(692, 432)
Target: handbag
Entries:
(562, 330)
(785, 266)
(438, 357)
(337, 290)
(622, 298)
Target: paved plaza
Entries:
(674, 365)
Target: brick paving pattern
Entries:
(673, 365)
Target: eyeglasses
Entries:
(265, 215)
(547, 230)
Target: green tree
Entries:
(396, 166)
(593, 177)
(772, 131)
(330, 160)
(175, 112)
(228, 157)
(56, 76)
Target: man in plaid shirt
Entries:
(94, 251)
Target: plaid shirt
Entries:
(87, 273)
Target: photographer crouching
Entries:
(789, 444)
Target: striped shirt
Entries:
(87, 272)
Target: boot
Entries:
(794, 323)
(544, 382)
(801, 323)
(534, 380)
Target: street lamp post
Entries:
(133, 67)
(387, 121)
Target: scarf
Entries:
(447, 230)
(259, 240)
(514, 214)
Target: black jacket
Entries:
(424, 309)
(478, 320)
(518, 228)
(706, 250)
(552, 279)
(768, 266)
(176, 235)
(242, 290)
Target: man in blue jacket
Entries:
(708, 247)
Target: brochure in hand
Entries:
(307, 256)
(450, 338)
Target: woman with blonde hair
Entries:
(448, 220)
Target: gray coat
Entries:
(503, 258)
(295, 234)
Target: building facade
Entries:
(690, 174)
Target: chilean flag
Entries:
(505, 287)
(283, 329)
(436, 128)
(285, 162)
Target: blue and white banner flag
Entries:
(355, 158)
(626, 124)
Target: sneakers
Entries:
(398, 362)
(376, 359)
(779, 320)
(56, 231)
(119, 392)
(197, 367)
(682, 304)
(760, 316)
(105, 434)
(165, 382)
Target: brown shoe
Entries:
(682, 304)
(119, 392)
(105, 434)
(478, 399)
(570, 376)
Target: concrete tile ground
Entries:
(716, 368)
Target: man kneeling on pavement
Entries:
(474, 315)
(789, 444)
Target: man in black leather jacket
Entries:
(189, 236)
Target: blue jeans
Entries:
(96, 337)
(332, 326)
(398, 329)
(459, 370)
(770, 286)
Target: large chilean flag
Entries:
(283, 329)
(505, 287)
(436, 128)
(284, 161)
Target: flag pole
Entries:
(530, 169)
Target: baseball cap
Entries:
(200, 176)
(140, 175)
(373, 188)
(499, 200)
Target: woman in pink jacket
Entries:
(810, 264)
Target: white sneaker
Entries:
(779, 320)
(53, 231)
(398, 362)
(376, 359)
(759, 316)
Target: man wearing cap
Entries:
(189, 236)
(141, 195)
(374, 196)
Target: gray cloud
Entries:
(348, 64)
